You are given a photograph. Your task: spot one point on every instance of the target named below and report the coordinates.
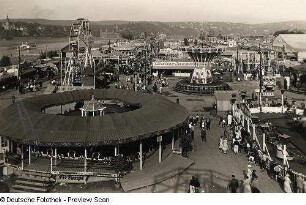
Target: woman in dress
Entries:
(287, 182)
(225, 146)
(221, 143)
(247, 185)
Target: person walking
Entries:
(246, 185)
(223, 123)
(233, 185)
(208, 122)
(191, 129)
(299, 184)
(13, 99)
(249, 171)
(220, 120)
(254, 175)
(236, 146)
(254, 186)
(287, 182)
(197, 119)
(194, 185)
(155, 87)
(221, 143)
(203, 134)
(203, 123)
(263, 161)
(225, 146)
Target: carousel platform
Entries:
(200, 89)
(154, 172)
(42, 165)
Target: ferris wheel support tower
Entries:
(79, 68)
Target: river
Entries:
(9, 48)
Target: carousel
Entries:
(201, 82)
(86, 143)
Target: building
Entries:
(70, 145)
(223, 100)
(170, 53)
(291, 45)
(8, 25)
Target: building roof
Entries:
(190, 68)
(227, 53)
(24, 121)
(301, 67)
(293, 42)
(225, 95)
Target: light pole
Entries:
(282, 91)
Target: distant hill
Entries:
(178, 28)
(65, 22)
(44, 21)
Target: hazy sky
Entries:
(250, 11)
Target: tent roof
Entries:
(225, 95)
(296, 41)
(24, 121)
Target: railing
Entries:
(71, 88)
(285, 167)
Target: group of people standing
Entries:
(248, 185)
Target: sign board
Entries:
(268, 94)
(159, 138)
(269, 81)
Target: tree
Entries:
(186, 42)
(295, 31)
(50, 54)
(5, 61)
(127, 34)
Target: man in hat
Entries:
(203, 134)
(194, 185)
(13, 99)
(233, 185)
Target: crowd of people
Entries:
(237, 139)
(151, 85)
(241, 142)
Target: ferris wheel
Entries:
(80, 58)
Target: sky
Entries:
(245, 11)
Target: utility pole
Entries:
(19, 70)
(260, 79)
(237, 66)
(61, 72)
(145, 65)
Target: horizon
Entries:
(285, 21)
(234, 11)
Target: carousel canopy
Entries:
(24, 121)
